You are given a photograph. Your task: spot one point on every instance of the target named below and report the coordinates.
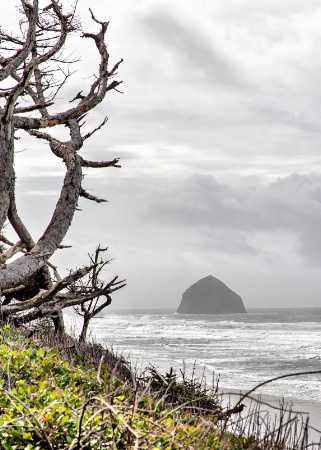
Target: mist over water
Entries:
(243, 349)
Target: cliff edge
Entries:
(210, 296)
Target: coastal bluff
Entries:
(210, 296)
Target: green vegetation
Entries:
(79, 396)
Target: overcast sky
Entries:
(219, 135)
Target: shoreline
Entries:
(270, 405)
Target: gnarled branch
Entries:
(29, 65)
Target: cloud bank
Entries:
(219, 134)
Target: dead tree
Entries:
(91, 284)
(31, 75)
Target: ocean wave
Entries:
(244, 350)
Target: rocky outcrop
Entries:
(210, 296)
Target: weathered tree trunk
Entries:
(84, 330)
(6, 170)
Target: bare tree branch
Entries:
(11, 64)
(31, 67)
(11, 251)
(88, 196)
(96, 289)
(30, 108)
(100, 164)
(280, 377)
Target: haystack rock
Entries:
(210, 296)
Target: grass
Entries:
(56, 393)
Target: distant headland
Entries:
(210, 296)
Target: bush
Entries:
(83, 398)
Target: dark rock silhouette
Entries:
(210, 296)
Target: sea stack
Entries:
(210, 296)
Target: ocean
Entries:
(243, 350)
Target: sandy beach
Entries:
(269, 405)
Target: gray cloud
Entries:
(288, 205)
(221, 104)
(167, 233)
(196, 53)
